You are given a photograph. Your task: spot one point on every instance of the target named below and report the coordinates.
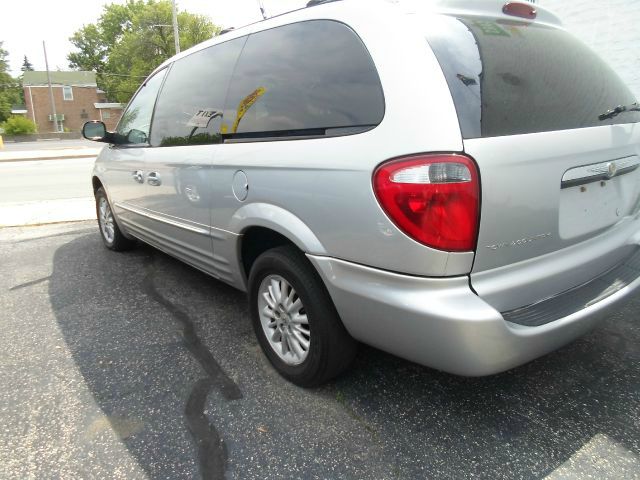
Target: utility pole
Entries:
(176, 35)
(53, 104)
(261, 7)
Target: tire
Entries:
(109, 231)
(280, 324)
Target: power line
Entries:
(121, 75)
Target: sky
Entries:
(25, 24)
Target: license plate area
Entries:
(598, 196)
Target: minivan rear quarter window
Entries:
(304, 79)
(190, 105)
(510, 78)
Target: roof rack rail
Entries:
(313, 3)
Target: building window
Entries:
(106, 115)
(67, 93)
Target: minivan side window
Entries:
(311, 78)
(190, 105)
(135, 123)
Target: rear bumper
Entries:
(442, 323)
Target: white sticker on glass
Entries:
(202, 117)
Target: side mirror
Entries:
(95, 130)
(136, 137)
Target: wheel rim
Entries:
(284, 319)
(105, 217)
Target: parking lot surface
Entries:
(134, 365)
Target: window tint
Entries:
(134, 125)
(189, 108)
(511, 78)
(303, 79)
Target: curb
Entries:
(59, 157)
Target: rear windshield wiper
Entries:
(634, 107)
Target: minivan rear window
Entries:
(510, 78)
(310, 78)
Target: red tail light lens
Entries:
(432, 198)
(520, 10)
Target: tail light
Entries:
(432, 198)
(522, 10)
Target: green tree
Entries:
(129, 41)
(18, 125)
(10, 91)
(27, 66)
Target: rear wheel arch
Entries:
(263, 226)
(256, 240)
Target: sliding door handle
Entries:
(138, 176)
(153, 179)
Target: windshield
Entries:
(510, 78)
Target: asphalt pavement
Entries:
(134, 365)
(46, 180)
(45, 191)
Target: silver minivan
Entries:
(456, 184)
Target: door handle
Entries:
(138, 176)
(153, 179)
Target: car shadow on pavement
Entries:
(169, 356)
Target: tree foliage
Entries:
(128, 41)
(10, 91)
(27, 66)
(18, 125)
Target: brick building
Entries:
(77, 100)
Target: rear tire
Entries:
(295, 320)
(109, 231)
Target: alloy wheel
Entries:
(105, 216)
(284, 319)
